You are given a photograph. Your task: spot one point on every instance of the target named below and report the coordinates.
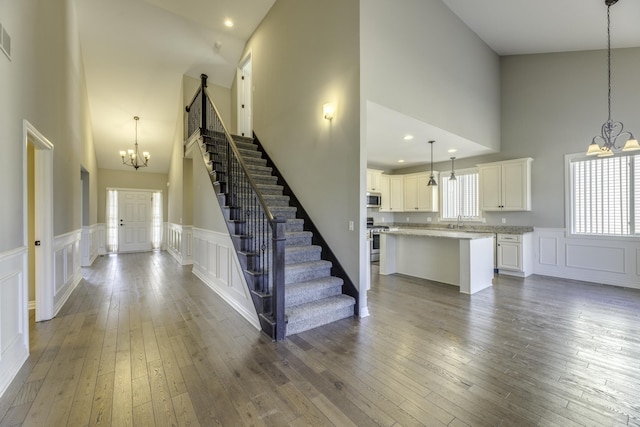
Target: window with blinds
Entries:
(605, 197)
(460, 197)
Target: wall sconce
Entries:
(329, 111)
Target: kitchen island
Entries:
(459, 258)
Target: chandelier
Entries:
(605, 144)
(132, 157)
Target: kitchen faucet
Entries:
(460, 222)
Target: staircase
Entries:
(313, 297)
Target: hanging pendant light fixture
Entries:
(432, 179)
(604, 145)
(132, 157)
(453, 173)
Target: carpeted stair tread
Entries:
(310, 315)
(303, 271)
(312, 290)
(297, 254)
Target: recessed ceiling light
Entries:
(400, 161)
(228, 23)
(408, 137)
(451, 150)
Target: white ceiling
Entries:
(136, 52)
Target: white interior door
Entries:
(134, 221)
(245, 89)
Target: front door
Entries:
(134, 221)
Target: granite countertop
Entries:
(468, 228)
(443, 233)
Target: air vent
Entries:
(5, 41)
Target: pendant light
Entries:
(453, 174)
(432, 179)
(611, 130)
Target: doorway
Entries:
(134, 221)
(245, 90)
(38, 228)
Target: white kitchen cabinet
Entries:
(385, 193)
(418, 196)
(395, 195)
(373, 180)
(506, 186)
(514, 254)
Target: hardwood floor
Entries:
(143, 342)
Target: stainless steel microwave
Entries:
(373, 200)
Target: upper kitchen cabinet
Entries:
(373, 180)
(506, 186)
(418, 196)
(392, 193)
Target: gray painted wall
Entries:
(306, 54)
(421, 60)
(44, 83)
(552, 105)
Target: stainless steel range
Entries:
(374, 233)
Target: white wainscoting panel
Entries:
(66, 267)
(548, 251)
(215, 262)
(180, 242)
(609, 261)
(92, 238)
(14, 315)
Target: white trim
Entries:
(142, 190)
(179, 242)
(43, 176)
(90, 244)
(14, 343)
(67, 273)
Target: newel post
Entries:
(203, 116)
(277, 287)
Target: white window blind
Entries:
(602, 198)
(156, 221)
(460, 197)
(112, 220)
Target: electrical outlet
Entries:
(504, 220)
(382, 220)
(350, 225)
(407, 219)
(428, 219)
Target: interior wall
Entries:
(306, 54)
(553, 105)
(43, 83)
(421, 60)
(181, 192)
(109, 178)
